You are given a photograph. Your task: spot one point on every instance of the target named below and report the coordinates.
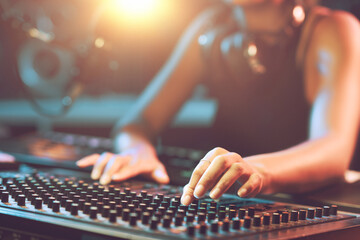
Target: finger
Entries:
(88, 160)
(100, 165)
(6, 157)
(227, 180)
(199, 170)
(251, 187)
(217, 167)
(160, 175)
(113, 165)
(125, 173)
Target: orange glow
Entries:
(135, 10)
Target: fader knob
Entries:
(93, 212)
(266, 219)
(257, 221)
(5, 197)
(38, 203)
(302, 214)
(226, 225)
(133, 219)
(242, 213)
(113, 216)
(154, 223)
(191, 230)
(311, 213)
(294, 216)
(56, 206)
(236, 224)
(326, 211)
(166, 222)
(251, 211)
(333, 209)
(276, 218)
(247, 222)
(21, 200)
(74, 209)
(318, 212)
(214, 227)
(285, 217)
(203, 229)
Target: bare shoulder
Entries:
(328, 28)
(333, 28)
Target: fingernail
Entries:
(106, 179)
(215, 193)
(95, 174)
(242, 192)
(185, 200)
(199, 191)
(160, 174)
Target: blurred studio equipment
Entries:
(60, 48)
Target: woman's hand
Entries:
(138, 159)
(218, 170)
(6, 158)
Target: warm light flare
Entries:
(135, 9)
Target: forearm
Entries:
(306, 166)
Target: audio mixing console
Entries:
(63, 204)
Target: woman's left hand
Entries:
(218, 171)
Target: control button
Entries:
(226, 225)
(166, 221)
(191, 230)
(326, 211)
(247, 222)
(190, 218)
(302, 214)
(294, 216)
(257, 221)
(145, 218)
(105, 211)
(242, 213)
(266, 219)
(133, 219)
(221, 215)
(203, 228)
(236, 224)
(93, 212)
(310, 213)
(211, 216)
(179, 220)
(285, 217)
(154, 223)
(21, 200)
(113, 216)
(333, 209)
(74, 209)
(232, 214)
(125, 214)
(214, 227)
(275, 218)
(251, 211)
(201, 217)
(318, 212)
(38, 203)
(56, 206)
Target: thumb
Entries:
(160, 175)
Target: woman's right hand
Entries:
(139, 159)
